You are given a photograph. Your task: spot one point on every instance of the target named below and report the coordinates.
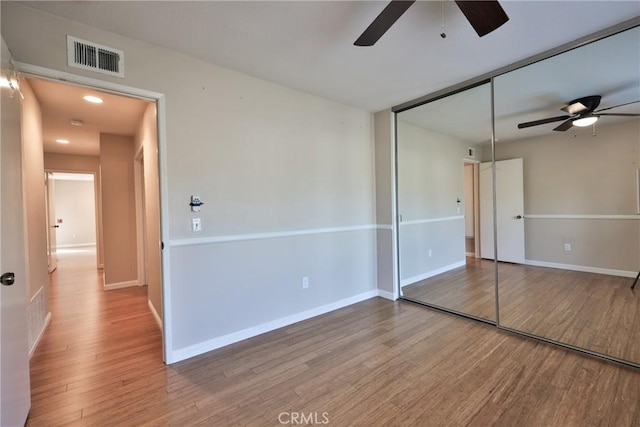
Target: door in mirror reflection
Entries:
(439, 155)
(581, 198)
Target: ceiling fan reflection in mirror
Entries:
(484, 16)
(581, 112)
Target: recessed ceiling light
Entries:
(92, 99)
(62, 141)
(76, 122)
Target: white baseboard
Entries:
(203, 347)
(120, 285)
(583, 268)
(47, 320)
(470, 254)
(155, 314)
(386, 295)
(75, 245)
(414, 279)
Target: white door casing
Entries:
(52, 225)
(509, 210)
(15, 398)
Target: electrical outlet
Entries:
(567, 247)
(305, 283)
(196, 225)
(430, 253)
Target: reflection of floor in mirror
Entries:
(467, 289)
(593, 311)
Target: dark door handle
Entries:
(8, 279)
(55, 226)
(518, 216)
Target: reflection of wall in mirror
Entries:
(430, 181)
(582, 189)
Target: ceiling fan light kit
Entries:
(585, 121)
(582, 113)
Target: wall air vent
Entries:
(94, 57)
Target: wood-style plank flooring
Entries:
(370, 364)
(592, 311)
(469, 289)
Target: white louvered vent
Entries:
(94, 57)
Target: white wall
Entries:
(35, 216)
(146, 139)
(118, 211)
(264, 159)
(430, 181)
(385, 201)
(75, 206)
(570, 175)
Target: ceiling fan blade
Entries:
(542, 122)
(564, 126)
(484, 16)
(620, 114)
(383, 22)
(616, 106)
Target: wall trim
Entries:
(120, 285)
(387, 295)
(414, 279)
(234, 337)
(583, 268)
(76, 245)
(34, 346)
(555, 216)
(155, 314)
(427, 220)
(268, 235)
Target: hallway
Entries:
(99, 344)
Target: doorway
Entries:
(92, 148)
(71, 215)
(471, 209)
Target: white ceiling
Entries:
(60, 103)
(308, 45)
(609, 67)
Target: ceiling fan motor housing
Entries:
(583, 105)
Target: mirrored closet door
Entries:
(444, 214)
(568, 199)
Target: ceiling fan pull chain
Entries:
(443, 34)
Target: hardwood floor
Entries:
(371, 364)
(469, 289)
(592, 311)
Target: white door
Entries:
(509, 210)
(52, 225)
(15, 398)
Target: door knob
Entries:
(8, 279)
(518, 216)
(55, 226)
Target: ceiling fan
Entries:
(484, 16)
(581, 112)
